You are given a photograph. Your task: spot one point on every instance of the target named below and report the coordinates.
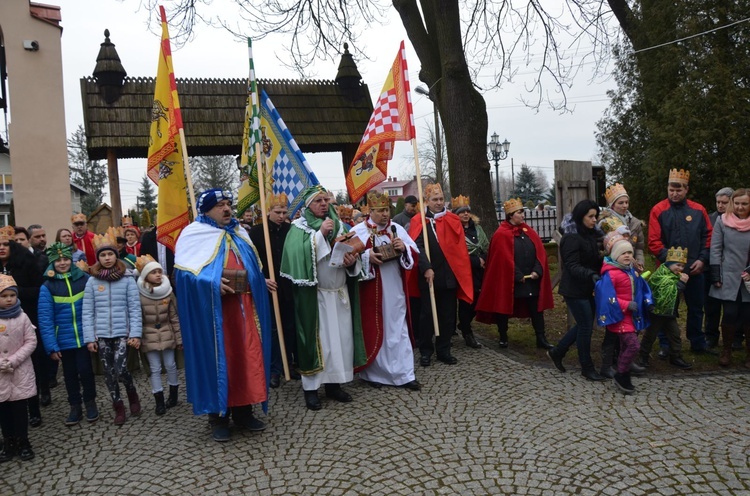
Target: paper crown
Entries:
(378, 200)
(344, 211)
(81, 264)
(365, 210)
(142, 261)
(512, 205)
(460, 201)
(7, 233)
(279, 200)
(611, 239)
(679, 176)
(610, 224)
(614, 192)
(78, 218)
(127, 220)
(432, 189)
(677, 254)
(6, 282)
(107, 240)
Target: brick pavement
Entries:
(488, 425)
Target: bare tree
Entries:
(453, 41)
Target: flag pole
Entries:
(435, 321)
(188, 173)
(269, 256)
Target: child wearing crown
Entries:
(17, 379)
(112, 320)
(666, 283)
(161, 329)
(61, 327)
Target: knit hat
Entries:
(209, 198)
(7, 282)
(106, 241)
(411, 199)
(144, 265)
(620, 246)
(57, 251)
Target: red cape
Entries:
(371, 309)
(86, 245)
(450, 235)
(499, 277)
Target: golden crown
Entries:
(6, 282)
(107, 240)
(460, 201)
(365, 210)
(81, 264)
(512, 205)
(127, 220)
(378, 200)
(677, 254)
(610, 224)
(273, 201)
(432, 189)
(344, 211)
(78, 218)
(142, 261)
(614, 192)
(679, 176)
(7, 233)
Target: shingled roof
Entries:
(322, 115)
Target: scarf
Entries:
(615, 263)
(11, 312)
(731, 220)
(482, 244)
(155, 292)
(114, 273)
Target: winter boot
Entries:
(727, 338)
(622, 382)
(9, 449)
(470, 340)
(541, 341)
(24, 449)
(161, 408)
(172, 400)
(119, 407)
(74, 416)
(135, 402)
(92, 412)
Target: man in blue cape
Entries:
(226, 324)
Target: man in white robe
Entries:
(390, 356)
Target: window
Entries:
(394, 192)
(6, 189)
(4, 218)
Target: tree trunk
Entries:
(436, 38)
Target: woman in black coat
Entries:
(17, 261)
(581, 265)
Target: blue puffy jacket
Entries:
(111, 309)
(61, 310)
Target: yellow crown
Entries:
(679, 176)
(279, 200)
(127, 221)
(614, 192)
(677, 254)
(142, 261)
(432, 189)
(7, 233)
(106, 240)
(378, 200)
(512, 205)
(81, 264)
(365, 210)
(610, 224)
(460, 201)
(78, 218)
(344, 211)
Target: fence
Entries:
(544, 222)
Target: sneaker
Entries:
(92, 412)
(75, 415)
(622, 382)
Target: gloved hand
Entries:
(595, 278)
(632, 306)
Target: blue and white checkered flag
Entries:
(291, 173)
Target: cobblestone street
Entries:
(488, 425)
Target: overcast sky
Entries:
(537, 136)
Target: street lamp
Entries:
(438, 142)
(497, 152)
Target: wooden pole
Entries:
(188, 173)
(435, 321)
(269, 259)
(114, 187)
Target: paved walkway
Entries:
(488, 425)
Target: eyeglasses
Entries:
(79, 223)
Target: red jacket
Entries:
(624, 293)
(685, 224)
(86, 244)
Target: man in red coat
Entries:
(82, 238)
(516, 279)
(448, 270)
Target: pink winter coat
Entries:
(624, 292)
(17, 341)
